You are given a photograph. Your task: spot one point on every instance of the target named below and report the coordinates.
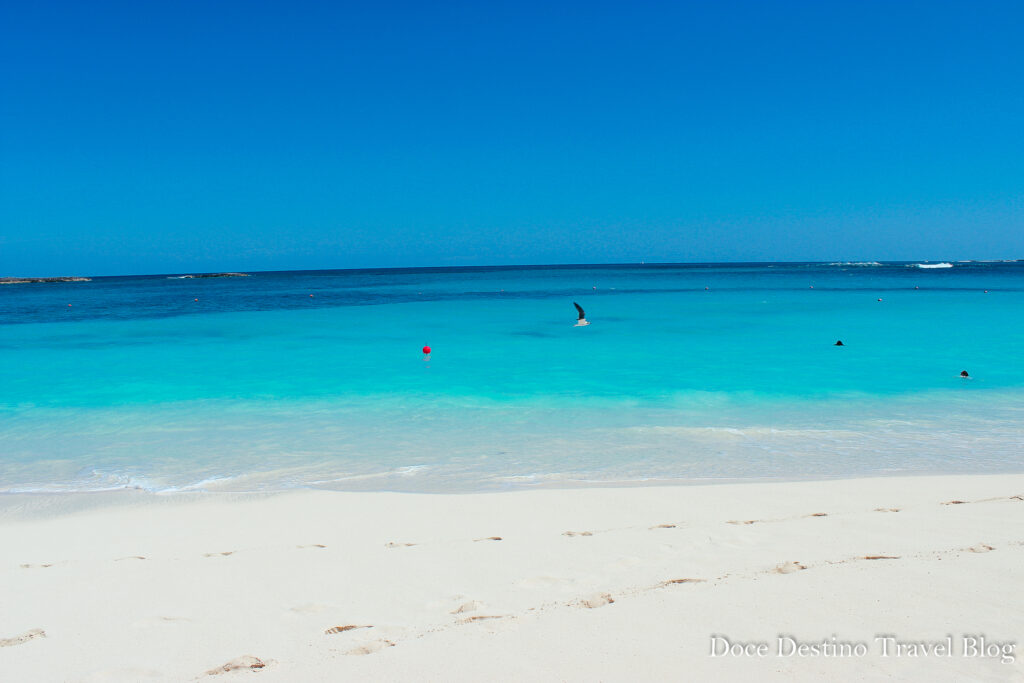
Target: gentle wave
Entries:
(94, 482)
(857, 264)
(932, 265)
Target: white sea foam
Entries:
(202, 485)
(857, 264)
(410, 470)
(97, 483)
(932, 265)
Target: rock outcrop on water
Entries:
(216, 275)
(24, 280)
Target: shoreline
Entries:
(139, 494)
(569, 584)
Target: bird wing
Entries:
(578, 309)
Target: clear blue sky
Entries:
(144, 137)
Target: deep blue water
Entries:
(687, 372)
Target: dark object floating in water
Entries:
(23, 280)
(963, 373)
(839, 342)
(188, 277)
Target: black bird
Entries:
(582, 320)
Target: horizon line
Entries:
(534, 266)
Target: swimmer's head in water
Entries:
(963, 373)
(839, 342)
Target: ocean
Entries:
(686, 374)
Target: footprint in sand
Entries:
(981, 548)
(35, 566)
(312, 545)
(955, 502)
(391, 544)
(130, 557)
(743, 521)
(341, 629)
(223, 554)
(818, 514)
(470, 606)
(672, 582)
(596, 600)
(243, 663)
(480, 617)
(887, 509)
(489, 538)
(880, 557)
(23, 638)
(788, 567)
(578, 533)
(663, 526)
(371, 647)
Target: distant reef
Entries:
(23, 280)
(186, 277)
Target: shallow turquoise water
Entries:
(686, 372)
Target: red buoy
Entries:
(426, 350)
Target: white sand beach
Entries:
(607, 584)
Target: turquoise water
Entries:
(693, 372)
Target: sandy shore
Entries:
(577, 585)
